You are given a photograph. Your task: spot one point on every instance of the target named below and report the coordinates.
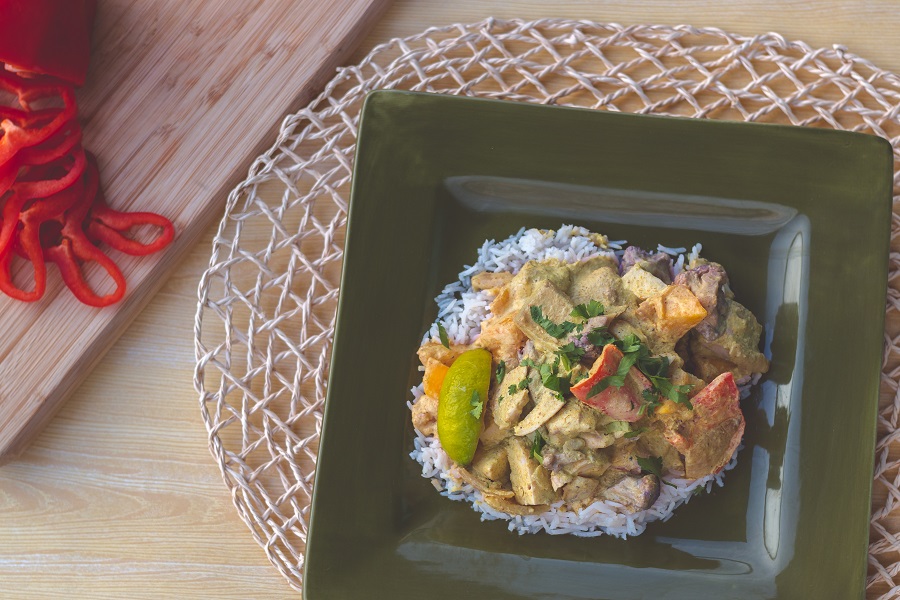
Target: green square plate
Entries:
(800, 218)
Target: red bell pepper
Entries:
(52, 37)
(54, 210)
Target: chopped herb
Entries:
(635, 433)
(599, 336)
(579, 376)
(501, 371)
(569, 355)
(653, 465)
(635, 353)
(528, 363)
(477, 404)
(556, 330)
(536, 446)
(586, 311)
(553, 381)
(517, 387)
(699, 490)
(443, 335)
(652, 399)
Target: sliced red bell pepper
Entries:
(52, 37)
(34, 126)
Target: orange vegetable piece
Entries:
(435, 372)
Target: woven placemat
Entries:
(267, 302)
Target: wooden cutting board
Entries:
(180, 98)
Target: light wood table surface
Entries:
(119, 496)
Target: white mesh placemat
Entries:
(267, 302)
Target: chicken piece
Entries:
(575, 458)
(624, 458)
(633, 493)
(437, 351)
(533, 272)
(736, 350)
(605, 286)
(642, 284)
(714, 431)
(596, 440)
(490, 281)
(709, 283)
(502, 337)
(546, 404)
(492, 434)
(507, 407)
(491, 463)
(482, 484)
(573, 419)
(671, 313)
(659, 265)
(580, 491)
(559, 479)
(424, 415)
(621, 403)
(594, 464)
(554, 305)
(512, 508)
(530, 481)
(653, 443)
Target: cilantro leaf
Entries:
(586, 311)
(630, 343)
(653, 465)
(537, 444)
(443, 335)
(569, 354)
(517, 387)
(599, 336)
(501, 371)
(477, 404)
(554, 329)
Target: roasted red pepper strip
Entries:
(48, 36)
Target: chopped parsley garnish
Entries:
(600, 337)
(443, 335)
(517, 387)
(553, 381)
(550, 377)
(501, 371)
(699, 490)
(554, 329)
(586, 311)
(569, 355)
(653, 465)
(536, 446)
(477, 404)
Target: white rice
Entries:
(461, 311)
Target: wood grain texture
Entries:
(179, 97)
(119, 497)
